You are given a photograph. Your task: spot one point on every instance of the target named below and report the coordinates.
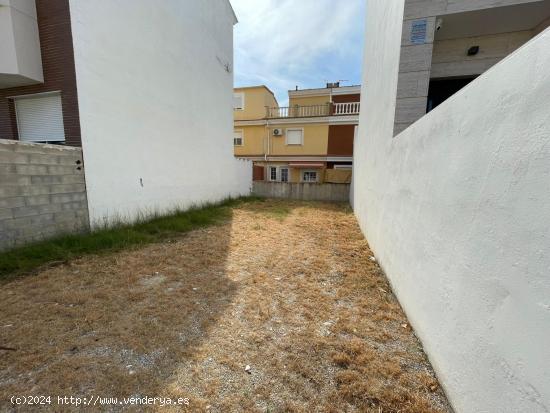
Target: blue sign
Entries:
(419, 30)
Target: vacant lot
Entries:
(287, 289)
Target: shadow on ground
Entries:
(113, 325)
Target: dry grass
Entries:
(287, 288)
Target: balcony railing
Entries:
(297, 111)
(349, 108)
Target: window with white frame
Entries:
(294, 136)
(309, 176)
(284, 174)
(238, 101)
(272, 173)
(40, 118)
(238, 138)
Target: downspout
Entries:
(268, 140)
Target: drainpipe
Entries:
(268, 139)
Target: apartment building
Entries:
(310, 140)
(132, 95)
(445, 44)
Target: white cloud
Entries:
(282, 43)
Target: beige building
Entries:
(310, 140)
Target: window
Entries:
(309, 176)
(272, 173)
(238, 101)
(284, 174)
(40, 118)
(238, 138)
(294, 136)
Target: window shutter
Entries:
(40, 118)
(294, 136)
(238, 101)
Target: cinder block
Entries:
(62, 170)
(69, 159)
(73, 179)
(41, 159)
(31, 169)
(51, 208)
(34, 190)
(11, 191)
(64, 198)
(6, 169)
(64, 216)
(72, 206)
(42, 219)
(66, 188)
(7, 145)
(12, 202)
(6, 213)
(26, 211)
(50, 159)
(13, 158)
(37, 200)
(47, 179)
(14, 179)
(43, 149)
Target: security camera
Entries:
(438, 24)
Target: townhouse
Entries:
(310, 140)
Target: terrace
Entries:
(299, 111)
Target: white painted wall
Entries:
(456, 209)
(155, 103)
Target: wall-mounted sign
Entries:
(419, 29)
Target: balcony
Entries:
(329, 109)
(20, 60)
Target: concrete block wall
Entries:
(302, 191)
(42, 192)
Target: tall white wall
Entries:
(155, 87)
(456, 209)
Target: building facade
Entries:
(445, 44)
(310, 140)
(71, 74)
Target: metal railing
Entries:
(328, 109)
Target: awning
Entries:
(306, 164)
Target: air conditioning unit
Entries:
(277, 132)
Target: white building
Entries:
(145, 88)
(456, 206)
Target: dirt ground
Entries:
(285, 288)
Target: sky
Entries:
(284, 43)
